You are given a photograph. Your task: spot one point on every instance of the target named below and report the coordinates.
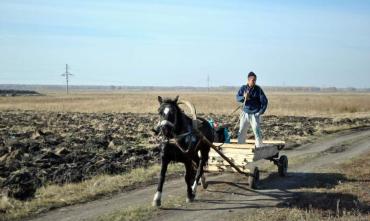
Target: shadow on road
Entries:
(291, 191)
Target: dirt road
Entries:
(229, 193)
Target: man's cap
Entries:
(252, 74)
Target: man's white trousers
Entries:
(254, 121)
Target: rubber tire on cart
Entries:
(254, 178)
(283, 166)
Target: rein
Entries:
(175, 140)
(194, 131)
(201, 137)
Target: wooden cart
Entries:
(234, 157)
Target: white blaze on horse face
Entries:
(166, 110)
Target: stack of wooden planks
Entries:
(241, 155)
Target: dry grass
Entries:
(300, 104)
(54, 196)
(284, 214)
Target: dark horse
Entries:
(182, 143)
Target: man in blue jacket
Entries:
(254, 105)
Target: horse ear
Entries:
(176, 99)
(160, 99)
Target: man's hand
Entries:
(257, 114)
(245, 96)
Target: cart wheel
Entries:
(283, 166)
(254, 178)
(203, 181)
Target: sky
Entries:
(180, 43)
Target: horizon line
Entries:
(182, 86)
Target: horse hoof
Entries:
(156, 203)
(194, 191)
(157, 199)
(204, 182)
(190, 199)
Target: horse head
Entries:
(169, 113)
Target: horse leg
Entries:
(205, 157)
(203, 181)
(202, 177)
(189, 174)
(198, 175)
(202, 162)
(158, 194)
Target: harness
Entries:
(194, 132)
(191, 136)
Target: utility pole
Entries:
(66, 75)
(208, 79)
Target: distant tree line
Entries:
(175, 88)
(13, 92)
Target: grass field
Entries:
(298, 104)
(54, 196)
(336, 105)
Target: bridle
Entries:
(195, 132)
(175, 139)
(164, 122)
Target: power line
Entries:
(66, 75)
